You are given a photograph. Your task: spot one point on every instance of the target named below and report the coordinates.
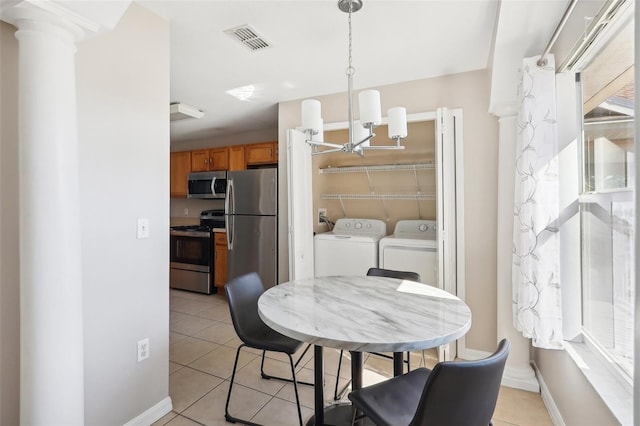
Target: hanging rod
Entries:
(379, 168)
(543, 58)
(378, 196)
(606, 15)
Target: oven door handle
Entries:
(229, 207)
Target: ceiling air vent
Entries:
(248, 37)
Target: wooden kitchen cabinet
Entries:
(220, 259)
(236, 158)
(180, 166)
(261, 153)
(219, 158)
(204, 160)
(200, 160)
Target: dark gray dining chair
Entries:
(453, 393)
(378, 272)
(242, 295)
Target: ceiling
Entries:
(393, 41)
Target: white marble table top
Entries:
(364, 313)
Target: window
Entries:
(607, 206)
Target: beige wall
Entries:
(470, 92)
(123, 138)
(577, 401)
(9, 237)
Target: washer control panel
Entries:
(360, 227)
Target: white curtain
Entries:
(537, 307)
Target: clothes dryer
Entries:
(412, 247)
(351, 248)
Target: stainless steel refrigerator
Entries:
(251, 210)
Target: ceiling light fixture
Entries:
(180, 111)
(360, 131)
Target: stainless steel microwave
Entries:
(207, 184)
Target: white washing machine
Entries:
(412, 247)
(351, 248)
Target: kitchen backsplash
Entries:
(186, 211)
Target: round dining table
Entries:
(361, 314)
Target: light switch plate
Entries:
(143, 227)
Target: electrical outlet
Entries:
(321, 212)
(143, 349)
(186, 212)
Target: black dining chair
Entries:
(378, 272)
(242, 295)
(453, 393)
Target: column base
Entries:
(520, 378)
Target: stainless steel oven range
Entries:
(191, 253)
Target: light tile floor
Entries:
(202, 346)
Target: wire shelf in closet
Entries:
(430, 196)
(379, 168)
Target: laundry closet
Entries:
(411, 193)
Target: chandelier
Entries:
(360, 131)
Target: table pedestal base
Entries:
(339, 415)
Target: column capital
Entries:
(78, 18)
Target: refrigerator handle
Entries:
(229, 209)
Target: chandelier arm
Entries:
(328, 151)
(372, 135)
(328, 144)
(387, 147)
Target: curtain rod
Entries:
(543, 58)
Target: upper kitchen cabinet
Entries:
(203, 160)
(261, 153)
(236, 158)
(200, 160)
(180, 165)
(219, 158)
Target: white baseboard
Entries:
(152, 414)
(518, 378)
(547, 399)
(471, 354)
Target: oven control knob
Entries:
(358, 225)
(423, 227)
(347, 225)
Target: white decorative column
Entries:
(51, 341)
(51, 317)
(518, 372)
